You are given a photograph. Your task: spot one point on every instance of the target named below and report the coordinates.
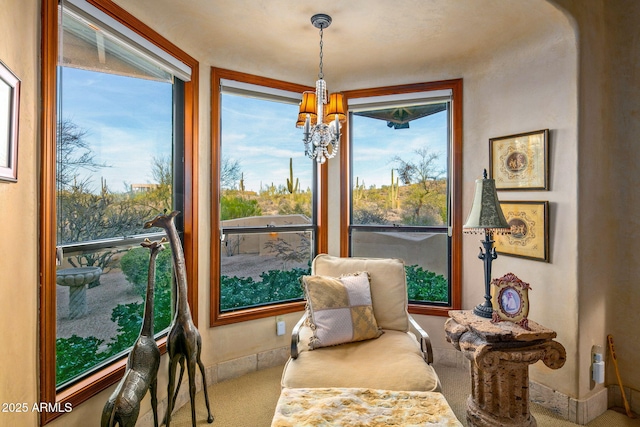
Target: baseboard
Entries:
(632, 396)
(574, 410)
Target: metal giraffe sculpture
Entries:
(141, 373)
(183, 342)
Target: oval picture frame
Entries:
(510, 300)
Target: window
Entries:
(264, 232)
(118, 151)
(403, 176)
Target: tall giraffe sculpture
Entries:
(184, 343)
(141, 373)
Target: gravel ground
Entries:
(247, 265)
(114, 289)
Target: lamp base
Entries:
(483, 310)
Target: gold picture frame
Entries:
(510, 300)
(519, 162)
(529, 237)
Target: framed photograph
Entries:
(529, 237)
(519, 162)
(510, 300)
(9, 109)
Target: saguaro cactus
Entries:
(241, 184)
(358, 190)
(292, 189)
(394, 200)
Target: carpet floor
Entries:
(250, 401)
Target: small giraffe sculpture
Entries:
(141, 373)
(183, 342)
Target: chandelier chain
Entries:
(321, 74)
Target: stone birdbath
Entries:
(77, 279)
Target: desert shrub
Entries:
(368, 214)
(135, 267)
(129, 319)
(285, 252)
(76, 355)
(425, 285)
(236, 292)
(274, 285)
(282, 285)
(236, 207)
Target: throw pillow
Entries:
(340, 309)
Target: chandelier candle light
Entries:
(486, 215)
(321, 140)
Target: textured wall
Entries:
(623, 316)
(529, 88)
(19, 220)
(609, 131)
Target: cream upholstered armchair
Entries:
(397, 356)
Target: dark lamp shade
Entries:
(308, 104)
(336, 106)
(486, 212)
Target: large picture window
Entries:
(115, 152)
(121, 150)
(402, 181)
(265, 218)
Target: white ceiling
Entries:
(372, 38)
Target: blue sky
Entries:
(128, 118)
(375, 145)
(125, 119)
(262, 136)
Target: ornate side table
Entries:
(500, 355)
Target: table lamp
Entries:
(486, 216)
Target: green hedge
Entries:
(425, 285)
(274, 285)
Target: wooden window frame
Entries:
(93, 384)
(218, 318)
(455, 86)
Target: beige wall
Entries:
(623, 316)
(19, 50)
(589, 103)
(609, 131)
(530, 88)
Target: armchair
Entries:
(399, 359)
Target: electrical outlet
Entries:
(281, 327)
(597, 365)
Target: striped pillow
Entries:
(340, 309)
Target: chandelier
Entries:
(321, 114)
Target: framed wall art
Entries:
(529, 237)
(9, 109)
(519, 162)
